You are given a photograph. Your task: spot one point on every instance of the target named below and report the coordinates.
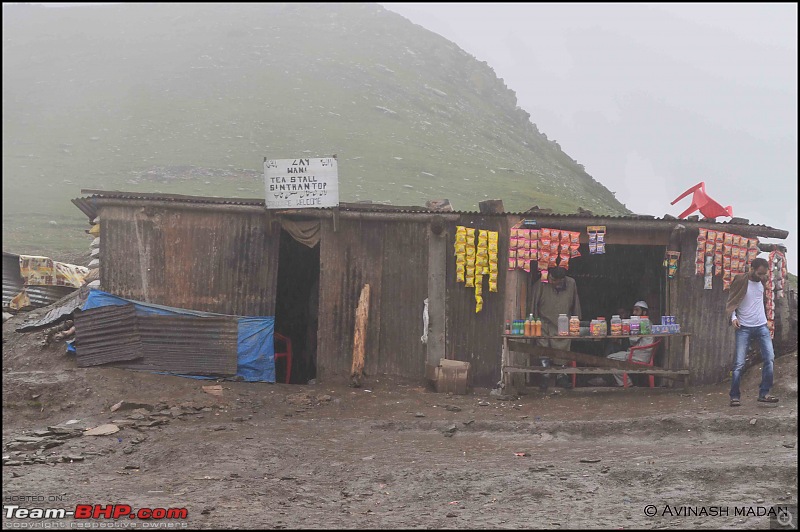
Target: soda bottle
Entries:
(508, 327)
(528, 329)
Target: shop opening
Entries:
(615, 280)
(297, 309)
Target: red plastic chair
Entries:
(286, 353)
(651, 378)
(702, 202)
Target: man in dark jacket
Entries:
(546, 302)
(746, 308)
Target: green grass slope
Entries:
(189, 98)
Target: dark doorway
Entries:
(297, 308)
(620, 277)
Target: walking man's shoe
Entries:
(768, 399)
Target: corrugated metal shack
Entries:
(232, 256)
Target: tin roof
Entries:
(88, 206)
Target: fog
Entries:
(652, 98)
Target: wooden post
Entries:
(687, 379)
(437, 293)
(360, 337)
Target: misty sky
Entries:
(652, 98)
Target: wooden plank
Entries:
(583, 358)
(686, 357)
(595, 371)
(594, 338)
(360, 335)
(437, 295)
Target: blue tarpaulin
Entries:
(255, 348)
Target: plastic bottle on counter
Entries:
(616, 325)
(644, 325)
(528, 327)
(508, 327)
(563, 325)
(626, 327)
(538, 331)
(603, 326)
(574, 326)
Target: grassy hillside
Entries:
(190, 98)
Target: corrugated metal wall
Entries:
(227, 262)
(701, 312)
(392, 257)
(477, 337)
(224, 262)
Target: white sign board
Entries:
(301, 183)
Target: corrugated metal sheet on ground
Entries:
(255, 360)
(107, 334)
(42, 296)
(190, 345)
(62, 309)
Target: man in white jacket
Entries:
(640, 308)
(746, 310)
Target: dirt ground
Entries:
(389, 454)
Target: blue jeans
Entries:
(743, 337)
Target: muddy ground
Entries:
(390, 454)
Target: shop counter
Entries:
(591, 364)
